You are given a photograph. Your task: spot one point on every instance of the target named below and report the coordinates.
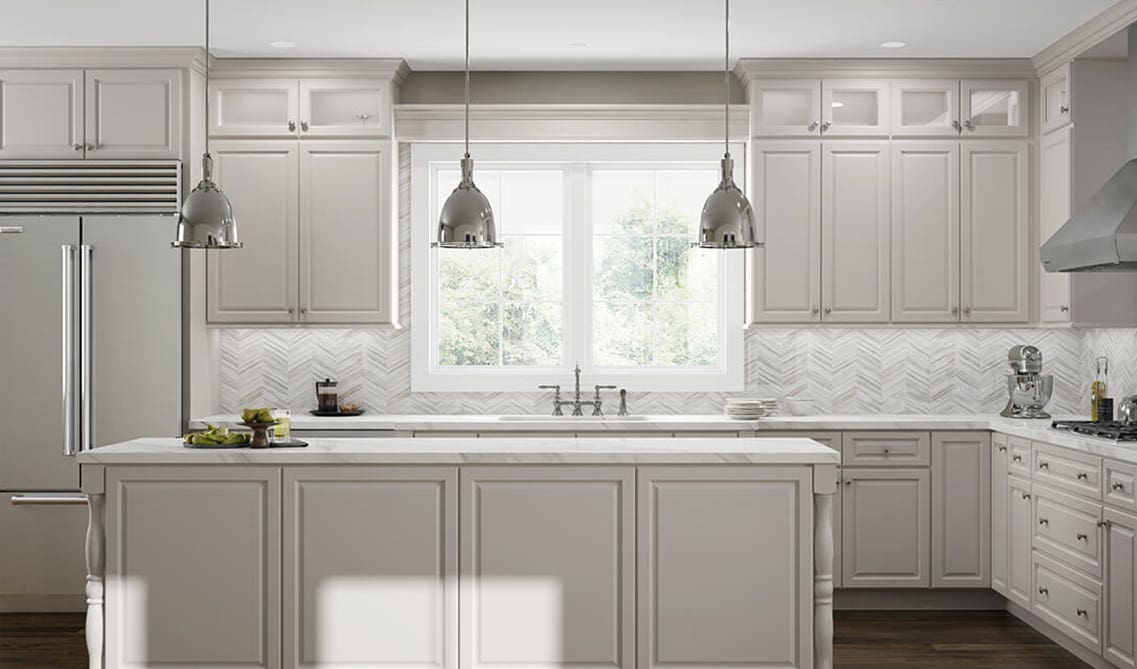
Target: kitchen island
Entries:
(453, 552)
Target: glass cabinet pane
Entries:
(855, 108)
(925, 109)
(788, 107)
(998, 108)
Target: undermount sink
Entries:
(545, 418)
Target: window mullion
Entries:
(579, 275)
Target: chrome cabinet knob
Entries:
(304, 126)
(1082, 613)
(1002, 449)
(812, 126)
(1043, 591)
(91, 147)
(292, 126)
(955, 311)
(814, 311)
(76, 147)
(1082, 536)
(957, 126)
(825, 126)
(1063, 110)
(1017, 458)
(967, 311)
(1044, 465)
(1026, 495)
(363, 118)
(1082, 476)
(1117, 486)
(1043, 521)
(1064, 309)
(1103, 523)
(828, 310)
(969, 124)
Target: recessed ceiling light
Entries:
(893, 45)
(282, 45)
(838, 105)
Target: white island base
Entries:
(462, 553)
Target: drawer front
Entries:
(1066, 528)
(1120, 484)
(1019, 461)
(886, 449)
(1067, 470)
(1069, 601)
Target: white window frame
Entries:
(428, 376)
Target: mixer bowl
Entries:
(1029, 394)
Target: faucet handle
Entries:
(623, 402)
(555, 388)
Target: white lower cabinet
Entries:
(547, 567)
(1020, 530)
(1068, 600)
(1119, 633)
(370, 567)
(961, 510)
(702, 603)
(886, 528)
(185, 539)
(1000, 497)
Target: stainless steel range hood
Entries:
(1102, 235)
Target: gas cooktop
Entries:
(1114, 430)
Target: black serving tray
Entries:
(292, 443)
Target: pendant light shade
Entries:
(727, 221)
(466, 221)
(206, 218)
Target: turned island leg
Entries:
(824, 487)
(92, 479)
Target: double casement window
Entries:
(596, 269)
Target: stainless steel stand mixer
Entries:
(1027, 387)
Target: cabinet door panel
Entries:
(254, 108)
(259, 283)
(1056, 186)
(786, 107)
(994, 232)
(855, 107)
(1000, 525)
(787, 273)
(344, 108)
(724, 561)
(202, 553)
(925, 232)
(1056, 111)
(961, 509)
(547, 567)
(855, 250)
(1119, 633)
(43, 566)
(1020, 517)
(41, 114)
(134, 113)
(370, 567)
(994, 108)
(344, 242)
(925, 108)
(886, 528)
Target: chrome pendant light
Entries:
(206, 219)
(466, 221)
(727, 221)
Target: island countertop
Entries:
(529, 450)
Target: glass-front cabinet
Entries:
(1055, 99)
(786, 107)
(925, 108)
(855, 107)
(994, 108)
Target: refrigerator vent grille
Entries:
(90, 186)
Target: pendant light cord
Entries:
(467, 78)
(207, 77)
(726, 78)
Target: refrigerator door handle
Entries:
(70, 441)
(54, 499)
(86, 353)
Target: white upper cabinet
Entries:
(339, 107)
(785, 107)
(925, 232)
(994, 108)
(855, 107)
(1054, 99)
(787, 271)
(925, 108)
(254, 107)
(344, 200)
(994, 231)
(855, 220)
(133, 113)
(41, 114)
(1055, 188)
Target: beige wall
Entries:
(570, 88)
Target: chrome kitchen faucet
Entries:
(576, 402)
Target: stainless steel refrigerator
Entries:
(90, 354)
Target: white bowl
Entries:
(799, 406)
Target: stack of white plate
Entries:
(750, 408)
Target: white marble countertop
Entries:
(1038, 430)
(526, 450)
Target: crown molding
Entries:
(570, 123)
(884, 68)
(1092, 32)
(395, 69)
(20, 57)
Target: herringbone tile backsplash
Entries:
(845, 371)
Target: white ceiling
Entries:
(549, 34)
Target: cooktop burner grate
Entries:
(1108, 429)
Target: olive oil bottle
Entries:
(1100, 388)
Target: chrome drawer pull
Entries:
(1118, 486)
(1082, 612)
(1044, 465)
(1083, 537)
(1043, 591)
(1043, 521)
(1082, 476)
(1103, 523)
(1002, 449)
(1017, 458)
(1026, 495)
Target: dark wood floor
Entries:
(931, 640)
